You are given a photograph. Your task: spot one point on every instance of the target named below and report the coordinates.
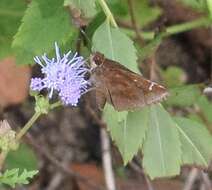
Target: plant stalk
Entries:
(107, 12)
(28, 125)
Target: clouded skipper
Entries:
(122, 88)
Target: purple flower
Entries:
(65, 75)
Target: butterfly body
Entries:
(121, 87)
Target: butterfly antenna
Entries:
(86, 36)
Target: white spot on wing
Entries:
(151, 86)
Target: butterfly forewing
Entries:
(122, 88)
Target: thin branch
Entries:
(106, 154)
(171, 30)
(55, 182)
(206, 180)
(63, 168)
(136, 168)
(107, 161)
(94, 115)
(134, 23)
(191, 179)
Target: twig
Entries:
(105, 143)
(134, 23)
(94, 115)
(107, 161)
(153, 66)
(206, 180)
(135, 167)
(55, 182)
(202, 186)
(44, 152)
(191, 179)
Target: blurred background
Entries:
(66, 145)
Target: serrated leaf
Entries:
(12, 177)
(161, 151)
(183, 96)
(11, 14)
(88, 7)
(127, 130)
(43, 23)
(23, 158)
(115, 45)
(196, 142)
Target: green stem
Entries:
(179, 28)
(54, 105)
(107, 12)
(28, 125)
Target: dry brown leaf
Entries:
(95, 174)
(14, 82)
(89, 171)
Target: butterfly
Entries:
(122, 88)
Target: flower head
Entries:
(63, 74)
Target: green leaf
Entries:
(145, 13)
(115, 45)
(173, 76)
(127, 130)
(183, 96)
(23, 158)
(206, 107)
(209, 5)
(11, 14)
(118, 7)
(43, 23)
(94, 24)
(12, 177)
(161, 151)
(196, 142)
(88, 7)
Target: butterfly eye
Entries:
(98, 58)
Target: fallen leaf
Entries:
(91, 172)
(14, 82)
(95, 174)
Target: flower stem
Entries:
(54, 105)
(107, 12)
(28, 125)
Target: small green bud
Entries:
(7, 136)
(42, 105)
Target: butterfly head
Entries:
(98, 58)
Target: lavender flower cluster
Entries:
(65, 75)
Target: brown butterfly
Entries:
(122, 88)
